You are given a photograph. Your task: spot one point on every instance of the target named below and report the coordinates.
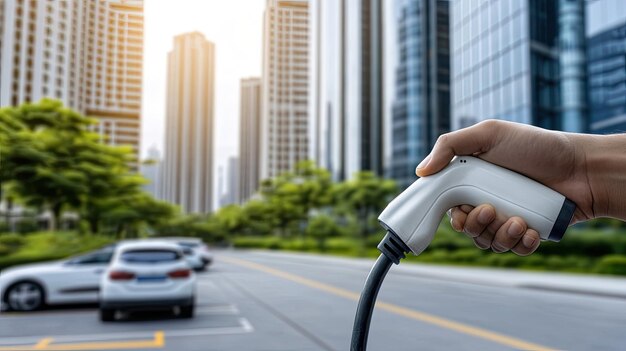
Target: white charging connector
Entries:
(412, 218)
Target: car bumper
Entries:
(146, 304)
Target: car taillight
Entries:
(121, 275)
(181, 273)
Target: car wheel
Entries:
(25, 296)
(186, 311)
(107, 314)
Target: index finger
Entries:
(473, 140)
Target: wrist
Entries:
(605, 167)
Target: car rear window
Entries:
(188, 244)
(150, 256)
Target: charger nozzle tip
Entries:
(392, 247)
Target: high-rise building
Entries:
(230, 183)
(346, 86)
(249, 138)
(421, 110)
(606, 53)
(506, 63)
(87, 54)
(188, 165)
(285, 86)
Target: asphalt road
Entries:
(267, 301)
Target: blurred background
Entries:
(288, 125)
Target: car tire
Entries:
(25, 296)
(107, 314)
(186, 311)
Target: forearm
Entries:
(605, 166)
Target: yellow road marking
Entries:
(157, 342)
(43, 343)
(399, 310)
(159, 339)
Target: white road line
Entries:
(226, 309)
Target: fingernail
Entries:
(529, 241)
(424, 163)
(496, 247)
(485, 216)
(514, 229)
(456, 226)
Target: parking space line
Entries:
(225, 309)
(86, 342)
(485, 334)
(158, 341)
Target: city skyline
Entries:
(335, 75)
(237, 36)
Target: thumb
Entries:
(474, 140)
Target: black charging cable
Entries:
(392, 251)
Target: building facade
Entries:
(346, 86)
(230, 183)
(506, 63)
(285, 122)
(87, 54)
(187, 173)
(249, 138)
(421, 110)
(606, 68)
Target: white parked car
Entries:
(147, 274)
(71, 281)
(196, 251)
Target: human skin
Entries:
(588, 169)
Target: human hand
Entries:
(554, 159)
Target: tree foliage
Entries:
(363, 197)
(50, 160)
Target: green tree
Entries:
(48, 178)
(292, 195)
(259, 218)
(321, 228)
(129, 213)
(109, 183)
(206, 227)
(231, 220)
(363, 197)
(50, 160)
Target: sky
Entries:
(235, 27)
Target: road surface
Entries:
(272, 301)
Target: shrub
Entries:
(612, 264)
(45, 246)
(4, 227)
(10, 243)
(26, 225)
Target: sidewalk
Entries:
(606, 286)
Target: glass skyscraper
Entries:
(421, 110)
(606, 54)
(506, 63)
